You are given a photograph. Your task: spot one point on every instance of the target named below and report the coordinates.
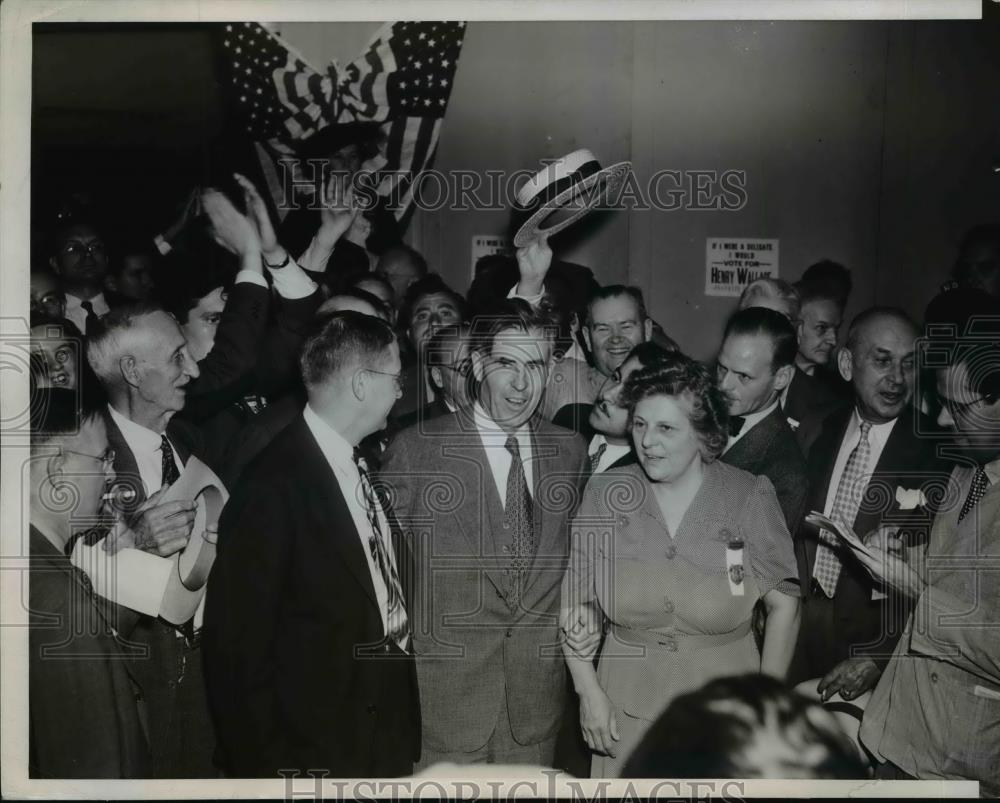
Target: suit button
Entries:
(510, 632)
(506, 549)
(934, 677)
(670, 552)
(668, 606)
(372, 709)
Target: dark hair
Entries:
(412, 254)
(834, 279)
(615, 291)
(512, 313)
(984, 235)
(61, 232)
(190, 280)
(865, 317)
(436, 351)
(60, 412)
(769, 323)
(341, 342)
(810, 290)
(430, 284)
(682, 376)
(711, 733)
(651, 354)
(376, 277)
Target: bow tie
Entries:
(736, 425)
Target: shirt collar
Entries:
(98, 302)
(492, 432)
(136, 435)
(333, 445)
(752, 419)
(993, 471)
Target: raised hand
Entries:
(339, 210)
(257, 211)
(533, 262)
(231, 230)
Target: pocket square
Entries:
(910, 498)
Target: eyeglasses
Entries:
(107, 459)
(397, 378)
(461, 368)
(78, 249)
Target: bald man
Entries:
(863, 460)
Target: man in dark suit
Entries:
(143, 363)
(85, 705)
(485, 495)
(814, 391)
(307, 638)
(754, 366)
(867, 461)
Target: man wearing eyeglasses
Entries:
(85, 704)
(449, 372)
(936, 710)
(80, 261)
(865, 460)
(308, 654)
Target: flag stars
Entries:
(422, 36)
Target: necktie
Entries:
(976, 492)
(736, 425)
(850, 491)
(397, 622)
(595, 458)
(167, 463)
(517, 517)
(92, 320)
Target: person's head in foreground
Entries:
(746, 726)
(351, 369)
(70, 461)
(677, 418)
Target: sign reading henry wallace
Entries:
(731, 263)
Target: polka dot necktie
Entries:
(517, 516)
(977, 491)
(595, 458)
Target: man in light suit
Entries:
(484, 495)
(862, 461)
(308, 652)
(754, 366)
(935, 713)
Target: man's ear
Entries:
(783, 376)
(54, 467)
(129, 367)
(647, 330)
(359, 384)
(845, 364)
(586, 337)
(478, 366)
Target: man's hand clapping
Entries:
(233, 231)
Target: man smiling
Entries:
(478, 493)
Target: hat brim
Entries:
(611, 180)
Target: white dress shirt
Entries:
(750, 421)
(877, 437)
(612, 454)
(78, 315)
(145, 445)
(290, 282)
(494, 441)
(340, 455)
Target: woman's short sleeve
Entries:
(772, 554)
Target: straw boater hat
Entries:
(565, 191)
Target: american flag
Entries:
(403, 80)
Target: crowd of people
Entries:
(516, 525)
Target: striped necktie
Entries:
(397, 622)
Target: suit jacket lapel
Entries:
(332, 513)
(126, 468)
(751, 449)
(477, 522)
